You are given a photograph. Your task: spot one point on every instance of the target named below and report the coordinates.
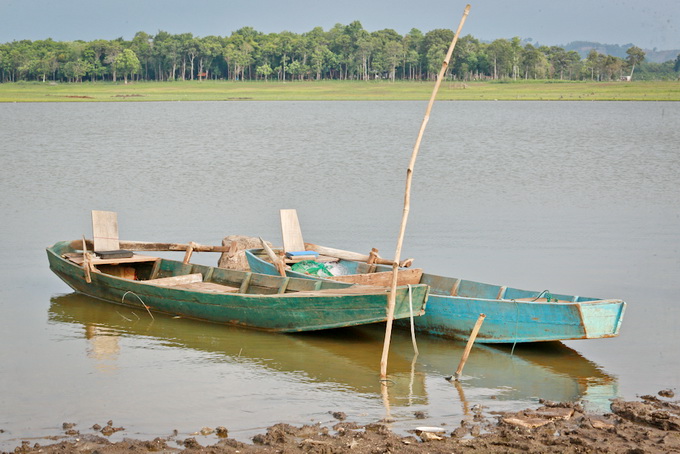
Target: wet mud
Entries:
(648, 425)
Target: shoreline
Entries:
(546, 90)
(650, 424)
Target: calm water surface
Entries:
(577, 198)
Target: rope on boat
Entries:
(548, 298)
(512, 352)
(122, 300)
(413, 328)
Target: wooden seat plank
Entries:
(176, 280)
(208, 287)
(78, 259)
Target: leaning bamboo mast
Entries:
(407, 199)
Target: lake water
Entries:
(578, 198)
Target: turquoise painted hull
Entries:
(301, 305)
(512, 315)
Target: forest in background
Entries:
(345, 52)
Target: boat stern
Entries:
(602, 318)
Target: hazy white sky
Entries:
(646, 23)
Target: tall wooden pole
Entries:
(407, 200)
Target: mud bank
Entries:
(650, 425)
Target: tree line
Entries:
(345, 52)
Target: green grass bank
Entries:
(338, 91)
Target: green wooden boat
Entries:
(272, 303)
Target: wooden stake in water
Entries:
(468, 347)
(407, 200)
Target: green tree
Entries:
(75, 70)
(112, 51)
(44, 59)
(534, 63)
(142, 46)
(612, 66)
(394, 53)
(163, 52)
(500, 55)
(593, 63)
(127, 63)
(435, 44)
(286, 43)
(412, 45)
(188, 49)
(635, 57)
(468, 59)
(320, 59)
(95, 53)
(264, 70)
(296, 69)
(238, 54)
(209, 48)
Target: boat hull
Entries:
(309, 310)
(512, 315)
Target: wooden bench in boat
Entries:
(192, 282)
(77, 258)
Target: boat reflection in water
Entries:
(345, 357)
(348, 359)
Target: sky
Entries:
(648, 24)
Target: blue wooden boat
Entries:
(512, 315)
(272, 303)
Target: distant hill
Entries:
(618, 50)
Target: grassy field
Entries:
(338, 91)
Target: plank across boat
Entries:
(512, 315)
(274, 303)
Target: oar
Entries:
(407, 200)
(354, 256)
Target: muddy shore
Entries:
(649, 425)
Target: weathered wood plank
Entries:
(354, 290)
(208, 287)
(384, 278)
(177, 280)
(280, 266)
(146, 246)
(78, 258)
(105, 230)
(291, 232)
(354, 256)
